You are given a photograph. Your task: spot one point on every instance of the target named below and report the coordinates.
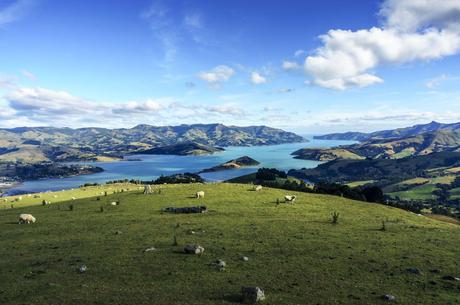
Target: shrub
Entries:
(71, 207)
(335, 217)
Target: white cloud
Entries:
(436, 81)
(290, 65)
(216, 76)
(257, 79)
(39, 106)
(193, 21)
(226, 109)
(15, 11)
(29, 75)
(299, 53)
(413, 30)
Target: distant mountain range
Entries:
(393, 133)
(36, 144)
(417, 140)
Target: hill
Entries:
(294, 252)
(392, 133)
(35, 144)
(392, 148)
(233, 164)
(382, 170)
(183, 149)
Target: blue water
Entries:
(152, 166)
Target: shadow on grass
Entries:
(233, 298)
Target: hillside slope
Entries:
(295, 254)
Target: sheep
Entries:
(113, 203)
(45, 202)
(258, 188)
(19, 198)
(290, 198)
(26, 218)
(73, 198)
(199, 194)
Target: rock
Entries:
(450, 278)
(82, 269)
(191, 232)
(118, 232)
(435, 271)
(220, 264)
(244, 258)
(150, 249)
(113, 203)
(252, 295)
(193, 249)
(389, 297)
(414, 270)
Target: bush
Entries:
(335, 217)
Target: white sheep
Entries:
(290, 198)
(258, 188)
(26, 218)
(113, 203)
(73, 198)
(199, 194)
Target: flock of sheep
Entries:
(28, 218)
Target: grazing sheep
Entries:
(258, 188)
(73, 198)
(113, 203)
(290, 198)
(26, 218)
(5, 200)
(199, 194)
(45, 202)
(19, 198)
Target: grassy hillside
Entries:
(295, 254)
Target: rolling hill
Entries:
(294, 251)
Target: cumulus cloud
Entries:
(257, 78)
(412, 30)
(436, 81)
(290, 65)
(227, 109)
(216, 76)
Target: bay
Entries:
(149, 167)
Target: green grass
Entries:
(359, 183)
(78, 193)
(421, 192)
(295, 254)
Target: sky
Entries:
(304, 66)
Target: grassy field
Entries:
(295, 254)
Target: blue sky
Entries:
(306, 66)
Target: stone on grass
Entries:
(150, 249)
(244, 258)
(82, 269)
(450, 278)
(414, 270)
(252, 295)
(193, 249)
(220, 264)
(389, 297)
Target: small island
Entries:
(232, 164)
(183, 149)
